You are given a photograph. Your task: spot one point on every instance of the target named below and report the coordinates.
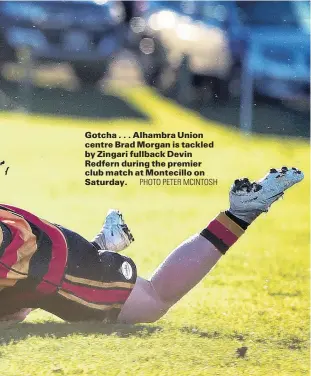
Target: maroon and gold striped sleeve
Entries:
(15, 256)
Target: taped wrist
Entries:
(222, 232)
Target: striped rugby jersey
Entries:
(47, 266)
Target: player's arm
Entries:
(15, 317)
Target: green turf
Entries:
(257, 297)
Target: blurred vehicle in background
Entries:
(86, 34)
(280, 52)
(214, 36)
(166, 32)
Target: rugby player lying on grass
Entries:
(47, 266)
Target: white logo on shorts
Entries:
(126, 270)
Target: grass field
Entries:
(257, 296)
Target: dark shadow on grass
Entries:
(88, 103)
(22, 331)
(199, 333)
(211, 334)
(285, 294)
(292, 343)
(270, 116)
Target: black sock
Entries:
(237, 220)
(95, 245)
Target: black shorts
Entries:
(93, 292)
(65, 274)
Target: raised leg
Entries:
(194, 258)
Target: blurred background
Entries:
(244, 64)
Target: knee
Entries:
(155, 310)
(143, 305)
(155, 307)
